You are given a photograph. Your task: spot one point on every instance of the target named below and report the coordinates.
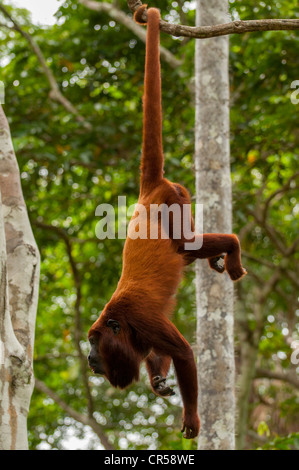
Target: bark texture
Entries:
(223, 28)
(19, 281)
(213, 186)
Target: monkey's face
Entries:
(94, 359)
(113, 355)
(97, 342)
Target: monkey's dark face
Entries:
(94, 359)
(113, 355)
(96, 353)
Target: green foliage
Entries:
(290, 442)
(263, 429)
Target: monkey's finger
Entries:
(188, 434)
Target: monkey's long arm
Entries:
(166, 339)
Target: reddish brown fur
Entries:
(152, 270)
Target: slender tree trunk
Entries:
(215, 336)
(19, 281)
(249, 354)
(249, 358)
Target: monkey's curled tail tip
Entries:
(138, 15)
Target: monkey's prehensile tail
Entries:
(152, 152)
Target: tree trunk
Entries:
(249, 358)
(214, 292)
(19, 281)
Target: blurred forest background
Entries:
(72, 160)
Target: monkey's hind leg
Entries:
(158, 367)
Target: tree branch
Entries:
(125, 20)
(234, 27)
(78, 329)
(292, 277)
(55, 93)
(272, 233)
(286, 187)
(288, 377)
(80, 417)
(262, 261)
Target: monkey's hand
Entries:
(191, 425)
(160, 387)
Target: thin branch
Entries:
(62, 233)
(262, 293)
(272, 233)
(253, 275)
(268, 287)
(77, 336)
(260, 215)
(289, 300)
(54, 356)
(293, 248)
(284, 268)
(288, 377)
(55, 93)
(234, 27)
(119, 16)
(3, 25)
(80, 417)
(262, 261)
(292, 277)
(286, 187)
(245, 230)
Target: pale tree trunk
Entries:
(214, 292)
(19, 282)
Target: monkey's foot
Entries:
(237, 273)
(214, 264)
(160, 388)
(234, 268)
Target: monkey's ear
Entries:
(114, 325)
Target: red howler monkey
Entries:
(134, 326)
